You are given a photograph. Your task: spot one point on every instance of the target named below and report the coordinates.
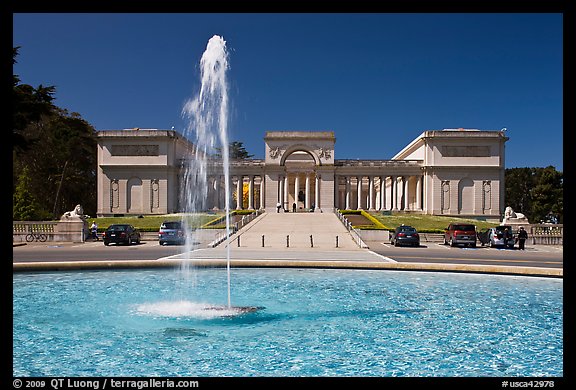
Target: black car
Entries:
(121, 234)
(405, 235)
(171, 232)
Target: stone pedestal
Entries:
(516, 223)
(71, 230)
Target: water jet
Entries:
(207, 115)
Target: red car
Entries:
(460, 234)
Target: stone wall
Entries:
(61, 231)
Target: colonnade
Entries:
(380, 192)
(366, 192)
(290, 191)
(216, 192)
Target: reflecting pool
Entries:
(310, 322)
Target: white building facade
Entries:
(451, 172)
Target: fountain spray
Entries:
(208, 126)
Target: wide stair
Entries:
(294, 230)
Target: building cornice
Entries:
(300, 135)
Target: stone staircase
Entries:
(293, 230)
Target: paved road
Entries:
(324, 227)
(535, 256)
(432, 252)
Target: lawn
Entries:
(423, 223)
(427, 223)
(150, 223)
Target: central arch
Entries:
(300, 182)
(300, 148)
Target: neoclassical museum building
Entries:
(451, 172)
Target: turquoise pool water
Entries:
(312, 322)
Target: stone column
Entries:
(371, 193)
(419, 193)
(239, 193)
(281, 185)
(359, 191)
(251, 192)
(382, 192)
(262, 187)
(296, 190)
(307, 202)
(317, 192)
(285, 204)
(347, 193)
(399, 190)
(406, 179)
(394, 195)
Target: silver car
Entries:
(171, 232)
(499, 237)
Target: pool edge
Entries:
(341, 264)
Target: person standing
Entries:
(522, 236)
(507, 236)
(94, 230)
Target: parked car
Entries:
(405, 235)
(171, 232)
(460, 234)
(497, 237)
(121, 234)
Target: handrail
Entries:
(25, 227)
(353, 232)
(547, 234)
(246, 219)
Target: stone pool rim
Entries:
(340, 264)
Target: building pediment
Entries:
(282, 146)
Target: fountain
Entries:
(207, 115)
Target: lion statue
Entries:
(78, 212)
(511, 216)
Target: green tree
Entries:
(62, 163)
(535, 192)
(519, 182)
(547, 194)
(29, 104)
(236, 151)
(57, 148)
(25, 206)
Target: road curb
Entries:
(246, 263)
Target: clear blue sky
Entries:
(376, 80)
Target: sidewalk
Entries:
(286, 254)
